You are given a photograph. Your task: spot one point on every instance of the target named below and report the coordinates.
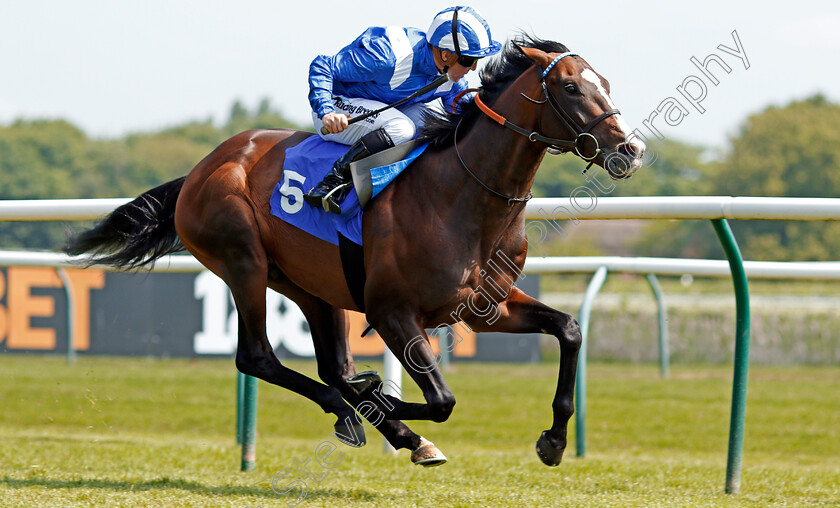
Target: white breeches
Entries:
(401, 124)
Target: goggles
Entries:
(467, 61)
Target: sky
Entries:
(116, 67)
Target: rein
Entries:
(510, 199)
(531, 135)
(581, 134)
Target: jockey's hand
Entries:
(335, 122)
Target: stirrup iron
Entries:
(363, 380)
(328, 203)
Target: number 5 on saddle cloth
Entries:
(308, 162)
(305, 166)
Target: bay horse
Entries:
(447, 231)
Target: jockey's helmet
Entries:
(462, 31)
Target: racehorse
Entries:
(443, 243)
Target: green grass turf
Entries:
(140, 432)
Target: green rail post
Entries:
(240, 398)
(664, 354)
(580, 378)
(249, 424)
(742, 355)
(247, 396)
(71, 315)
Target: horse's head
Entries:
(582, 112)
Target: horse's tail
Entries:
(135, 234)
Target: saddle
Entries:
(373, 173)
(305, 165)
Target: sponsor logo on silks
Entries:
(353, 109)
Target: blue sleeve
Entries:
(320, 85)
(457, 87)
(366, 59)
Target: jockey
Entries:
(382, 66)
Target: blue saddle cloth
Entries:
(306, 164)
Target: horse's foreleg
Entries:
(520, 313)
(408, 341)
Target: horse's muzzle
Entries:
(624, 161)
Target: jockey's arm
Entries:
(335, 122)
(372, 61)
(450, 98)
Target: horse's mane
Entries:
(501, 71)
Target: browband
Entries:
(560, 57)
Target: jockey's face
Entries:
(457, 71)
(449, 60)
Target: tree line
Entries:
(53, 159)
(790, 150)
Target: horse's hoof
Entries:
(550, 455)
(427, 454)
(350, 432)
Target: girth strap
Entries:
(353, 264)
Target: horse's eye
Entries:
(571, 88)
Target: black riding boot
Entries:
(334, 187)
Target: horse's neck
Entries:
(501, 159)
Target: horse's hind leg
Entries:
(226, 240)
(255, 357)
(335, 362)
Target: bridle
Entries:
(581, 133)
(566, 118)
(558, 145)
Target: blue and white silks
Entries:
(384, 64)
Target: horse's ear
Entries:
(537, 56)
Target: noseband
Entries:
(566, 118)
